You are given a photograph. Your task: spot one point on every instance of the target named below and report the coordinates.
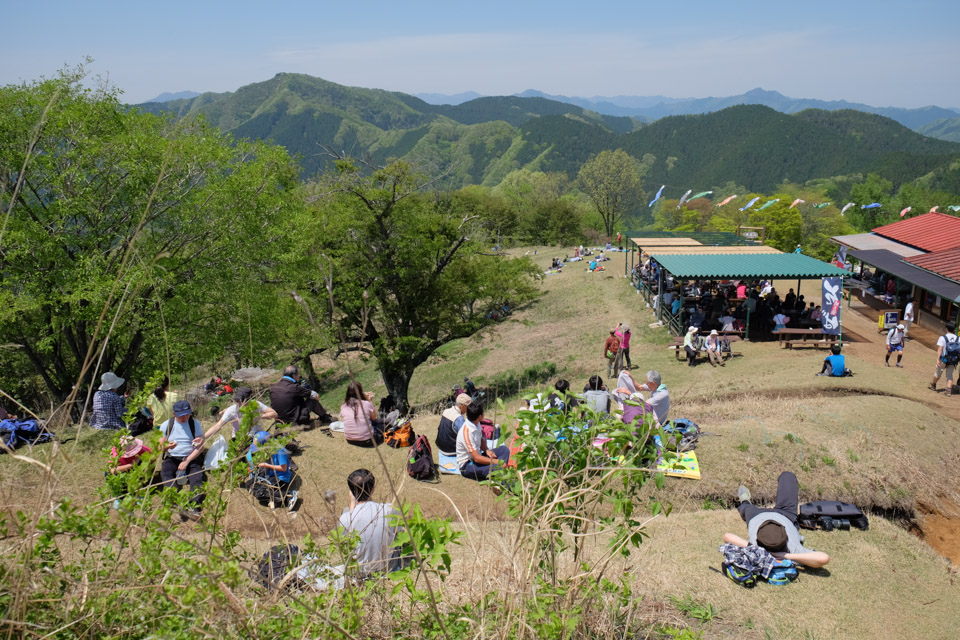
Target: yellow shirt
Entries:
(162, 409)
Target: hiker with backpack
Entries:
(610, 349)
(182, 462)
(948, 356)
(895, 340)
(474, 457)
(776, 530)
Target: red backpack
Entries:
(420, 464)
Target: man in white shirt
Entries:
(895, 338)
(947, 346)
(371, 521)
(907, 318)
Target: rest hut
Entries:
(740, 266)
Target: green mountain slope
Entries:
(480, 141)
(945, 129)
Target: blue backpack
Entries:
(17, 433)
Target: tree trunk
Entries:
(306, 367)
(398, 386)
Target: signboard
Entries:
(830, 306)
(889, 319)
(750, 234)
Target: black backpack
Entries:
(420, 464)
(275, 564)
(829, 515)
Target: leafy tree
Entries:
(784, 225)
(407, 274)
(612, 181)
(873, 189)
(127, 238)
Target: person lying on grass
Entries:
(776, 529)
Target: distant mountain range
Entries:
(650, 108)
(481, 140)
(947, 129)
(179, 95)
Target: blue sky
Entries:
(881, 53)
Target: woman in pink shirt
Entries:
(741, 290)
(360, 424)
(623, 333)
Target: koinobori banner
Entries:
(830, 306)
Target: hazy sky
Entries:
(878, 52)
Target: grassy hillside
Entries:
(879, 439)
(480, 141)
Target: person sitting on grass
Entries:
(561, 399)
(596, 396)
(659, 398)
(371, 521)
(475, 459)
(451, 421)
(181, 440)
(109, 403)
(133, 450)
(361, 425)
(276, 470)
(834, 365)
(775, 530)
(231, 414)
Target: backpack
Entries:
(420, 464)
(951, 352)
(265, 492)
(275, 564)
(17, 433)
(142, 423)
(830, 514)
(400, 434)
(744, 577)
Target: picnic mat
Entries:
(448, 464)
(685, 466)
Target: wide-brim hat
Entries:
(714, 332)
(133, 448)
(110, 380)
(693, 330)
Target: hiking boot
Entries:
(949, 391)
(933, 385)
(899, 366)
(887, 362)
(743, 494)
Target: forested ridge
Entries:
(480, 141)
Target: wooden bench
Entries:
(788, 336)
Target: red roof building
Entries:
(927, 232)
(945, 264)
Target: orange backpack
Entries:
(400, 434)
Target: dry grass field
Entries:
(878, 439)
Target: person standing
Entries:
(908, 318)
(610, 349)
(109, 403)
(690, 346)
(623, 334)
(895, 338)
(948, 356)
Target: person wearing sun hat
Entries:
(109, 403)
(895, 340)
(623, 333)
(712, 345)
(690, 345)
(133, 450)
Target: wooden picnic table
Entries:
(788, 336)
